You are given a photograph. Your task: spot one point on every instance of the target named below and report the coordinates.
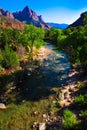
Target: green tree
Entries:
(52, 34)
(9, 36)
(85, 19)
(4, 37)
(10, 59)
(32, 37)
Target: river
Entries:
(53, 72)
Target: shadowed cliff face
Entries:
(79, 21)
(27, 16)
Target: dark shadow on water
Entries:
(37, 85)
(31, 86)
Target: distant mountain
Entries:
(80, 21)
(27, 16)
(57, 25)
(6, 13)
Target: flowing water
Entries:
(55, 68)
(53, 72)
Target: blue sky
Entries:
(59, 11)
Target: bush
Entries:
(1, 59)
(1, 68)
(81, 86)
(70, 122)
(84, 120)
(10, 59)
(84, 113)
(81, 101)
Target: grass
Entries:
(23, 116)
(81, 101)
(22, 112)
(70, 122)
(25, 113)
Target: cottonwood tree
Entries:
(32, 37)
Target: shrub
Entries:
(1, 59)
(70, 122)
(81, 101)
(1, 68)
(84, 113)
(84, 120)
(10, 59)
(81, 86)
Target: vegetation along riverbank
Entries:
(38, 86)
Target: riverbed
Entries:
(53, 72)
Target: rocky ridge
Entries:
(80, 21)
(10, 22)
(27, 16)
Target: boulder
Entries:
(2, 106)
(42, 126)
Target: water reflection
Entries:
(53, 72)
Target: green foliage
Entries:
(83, 124)
(83, 53)
(10, 59)
(23, 116)
(1, 68)
(32, 37)
(9, 36)
(72, 40)
(1, 57)
(52, 35)
(70, 122)
(84, 113)
(81, 86)
(85, 19)
(11, 39)
(81, 101)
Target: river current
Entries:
(53, 72)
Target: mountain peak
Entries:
(26, 8)
(27, 16)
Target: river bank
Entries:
(43, 53)
(39, 96)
